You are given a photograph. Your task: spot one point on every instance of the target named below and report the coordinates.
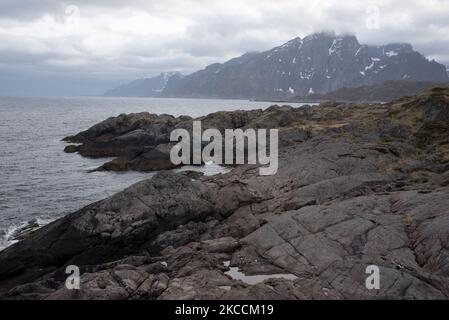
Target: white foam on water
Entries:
(9, 237)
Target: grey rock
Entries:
(349, 193)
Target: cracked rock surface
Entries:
(357, 185)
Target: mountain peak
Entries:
(293, 41)
(320, 35)
(167, 75)
(321, 62)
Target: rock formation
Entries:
(357, 185)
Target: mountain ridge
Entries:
(318, 63)
(144, 87)
(387, 91)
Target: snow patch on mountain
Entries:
(322, 62)
(391, 53)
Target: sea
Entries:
(40, 183)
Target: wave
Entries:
(17, 232)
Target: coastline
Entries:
(354, 187)
(39, 180)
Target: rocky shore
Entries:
(357, 185)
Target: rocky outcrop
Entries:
(356, 186)
(138, 140)
(142, 141)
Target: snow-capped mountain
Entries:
(146, 87)
(318, 63)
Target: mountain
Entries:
(387, 91)
(319, 63)
(146, 87)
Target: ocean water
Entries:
(39, 182)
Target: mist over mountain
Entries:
(146, 87)
(319, 63)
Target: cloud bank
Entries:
(87, 47)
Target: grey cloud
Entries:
(209, 31)
(28, 9)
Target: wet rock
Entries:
(71, 148)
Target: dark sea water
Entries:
(39, 182)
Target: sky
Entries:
(81, 47)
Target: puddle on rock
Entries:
(235, 274)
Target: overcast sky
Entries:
(52, 47)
